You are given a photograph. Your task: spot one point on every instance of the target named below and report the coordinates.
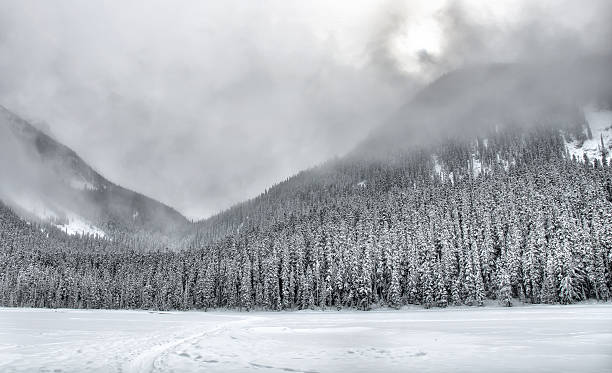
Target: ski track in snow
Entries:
(519, 339)
(151, 360)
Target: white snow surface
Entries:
(601, 127)
(50, 213)
(77, 225)
(522, 339)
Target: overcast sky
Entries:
(202, 104)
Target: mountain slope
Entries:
(466, 121)
(46, 180)
(487, 201)
(468, 103)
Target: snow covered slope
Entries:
(44, 180)
(600, 142)
(29, 206)
(594, 141)
(74, 224)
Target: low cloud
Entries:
(204, 104)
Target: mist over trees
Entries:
(510, 216)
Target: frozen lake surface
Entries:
(522, 339)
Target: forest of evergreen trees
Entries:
(512, 219)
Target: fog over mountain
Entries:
(204, 104)
(446, 164)
(47, 182)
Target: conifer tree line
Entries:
(510, 219)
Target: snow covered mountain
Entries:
(477, 101)
(467, 123)
(478, 189)
(46, 181)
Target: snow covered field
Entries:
(522, 339)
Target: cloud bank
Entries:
(203, 104)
